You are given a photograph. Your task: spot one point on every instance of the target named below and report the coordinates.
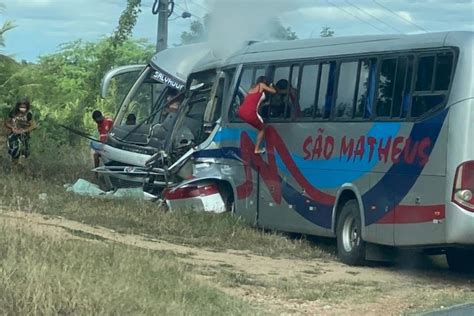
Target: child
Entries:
(20, 123)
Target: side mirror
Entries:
(104, 86)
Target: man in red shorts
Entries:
(104, 125)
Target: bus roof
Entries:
(180, 61)
(339, 46)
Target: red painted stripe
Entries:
(412, 214)
(314, 193)
(269, 171)
(190, 192)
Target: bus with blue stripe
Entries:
(368, 139)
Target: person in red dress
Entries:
(248, 110)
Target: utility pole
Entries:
(162, 35)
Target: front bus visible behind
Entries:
(138, 130)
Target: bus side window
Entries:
(326, 90)
(292, 104)
(365, 89)
(243, 85)
(346, 89)
(307, 92)
(407, 90)
(394, 87)
(279, 101)
(424, 104)
(444, 68)
(386, 87)
(425, 73)
(433, 77)
(258, 72)
(399, 85)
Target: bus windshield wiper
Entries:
(148, 117)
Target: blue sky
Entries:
(42, 25)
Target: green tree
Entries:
(65, 85)
(326, 32)
(7, 25)
(8, 66)
(60, 83)
(108, 53)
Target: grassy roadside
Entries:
(44, 275)
(21, 191)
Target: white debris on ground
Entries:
(84, 187)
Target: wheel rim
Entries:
(350, 234)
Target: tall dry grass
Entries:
(47, 275)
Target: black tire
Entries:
(350, 246)
(228, 198)
(460, 260)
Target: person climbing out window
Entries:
(248, 110)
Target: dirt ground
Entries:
(286, 286)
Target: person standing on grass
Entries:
(248, 110)
(104, 125)
(20, 123)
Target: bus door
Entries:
(235, 169)
(273, 211)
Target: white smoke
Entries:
(234, 22)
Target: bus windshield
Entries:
(144, 108)
(142, 101)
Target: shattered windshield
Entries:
(142, 101)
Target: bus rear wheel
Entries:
(460, 260)
(350, 246)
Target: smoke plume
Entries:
(234, 22)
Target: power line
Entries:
(201, 6)
(355, 16)
(176, 16)
(399, 16)
(180, 6)
(192, 14)
(374, 17)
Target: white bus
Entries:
(369, 140)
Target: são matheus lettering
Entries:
(353, 149)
